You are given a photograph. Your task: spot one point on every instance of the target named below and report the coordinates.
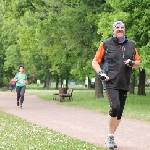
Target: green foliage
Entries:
(61, 36)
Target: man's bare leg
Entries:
(109, 142)
(112, 121)
(113, 124)
(117, 124)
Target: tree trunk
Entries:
(67, 78)
(89, 83)
(61, 82)
(48, 77)
(132, 84)
(48, 80)
(141, 85)
(57, 81)
(98, 87)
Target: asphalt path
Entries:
(80, 123)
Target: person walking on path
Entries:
(21, 81)
(113, 62)
(12, 84)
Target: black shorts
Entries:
(117, 100)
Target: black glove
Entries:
(130, 62)
(102, 75)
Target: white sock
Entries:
(110, 134)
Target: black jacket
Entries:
(113, 63)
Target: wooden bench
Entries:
(61, 90)
(69, 95)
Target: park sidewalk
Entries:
(80, 123)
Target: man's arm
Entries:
(137, 59)
(96, 65)
(16, 77)
(136, 64)
(26, 81)
(98, 70)
(98, 58)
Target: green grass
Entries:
(52, 87)
(18, 134)
(137, 107)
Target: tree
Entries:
(55, 39)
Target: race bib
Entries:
(22, 81)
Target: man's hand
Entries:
(129, 62)
(102, 75)
(26, 81)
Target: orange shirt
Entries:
(100, 53)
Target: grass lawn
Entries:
(18, 134)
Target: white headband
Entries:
(116, 23)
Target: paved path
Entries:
(79, 123)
